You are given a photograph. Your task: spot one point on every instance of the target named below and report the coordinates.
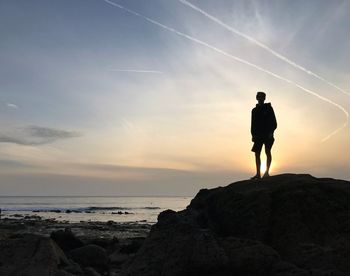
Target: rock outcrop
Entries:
(90, 255)
(282, 225)
(66, 240)
(30, 255)
(64, 253)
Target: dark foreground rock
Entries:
(283, 225)
(91, 256)
(50, 248)
(66, 240)
(30, 255)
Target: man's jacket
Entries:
(263, 121)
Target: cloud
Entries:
(13, 164)
(177, 184)
(36, 135)
(137, 71)
(121, 168)
(11, 105)
(45, 132)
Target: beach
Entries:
(87, 217)
(118, 240)
(91, 208)
(115, 226)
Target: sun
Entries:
(263, 167)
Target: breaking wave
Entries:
(92, 209)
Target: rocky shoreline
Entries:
(30, 245)
(284, 225)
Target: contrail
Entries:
(241, 61)
(262, 45)
(136, 71)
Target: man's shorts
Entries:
(268, 142)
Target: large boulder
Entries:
(91, 256)
(30, 255)
(282, 225)
(66, 239)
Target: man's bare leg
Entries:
(258, 164)
(268, 162)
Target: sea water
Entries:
(76, 209)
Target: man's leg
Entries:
(257, 150)
(258, 164)
(268, 147)
(268, 162)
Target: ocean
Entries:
(76, 209)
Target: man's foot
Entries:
(266, 174)
(255, 177)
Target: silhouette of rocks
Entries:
(109, 244)
(20, 237)
(30, 255)
(91, 255)
(89, 271)
(66, 239)
(73, 268)
(65, 273)
(133, 246)
(282, 225)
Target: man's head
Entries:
(260, 97)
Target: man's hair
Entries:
(260, 93)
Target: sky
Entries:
(138, 98)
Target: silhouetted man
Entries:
(263, 125)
